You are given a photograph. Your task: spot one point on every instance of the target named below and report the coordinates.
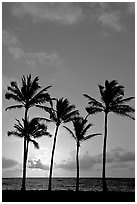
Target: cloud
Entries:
(118, 155)
(17, 52)
(125, 157)
(8, 163)
(32, 59)
(16, 171)
(112, 20)
(117, 158)
(9, 39)
(120, 165)
(37, 164)
(86, 162)
(108, 14)
(62, 12)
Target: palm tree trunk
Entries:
(52, 157)
(104, 156)
(77, 160)
(23, 188)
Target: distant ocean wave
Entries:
(86, 184)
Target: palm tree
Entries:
(35, 129)
(80, 129)
(62, 113)
(111, 101)
(27, 96)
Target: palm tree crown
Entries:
(27, 95)
(80, 129)
(111, 100)
(35, 129)
(62, 113)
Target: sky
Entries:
(74, 47)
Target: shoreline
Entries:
(66, 196)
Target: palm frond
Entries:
(94, 102)
(123, 108)
(70, 116)
(51, 101)
(41, 133)
(19, 123)
(40, 97)
(122, 101)
(13, 107)
(14, 133)
(16, 92)
(85, 129)
(13, 96)
(113, 83)
(24, 87)
(72, 134)
(89, 136)
(33, 87)
(124, 111)
(51, 111)
(47, 109)
(36, 145)
(40, 119)
(102, 93)
(93, 110)
(110, 92)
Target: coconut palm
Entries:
(62, 113)
(35, 129)
(111, 101)
(81, 126)
(26, 96)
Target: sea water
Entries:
(86, 184)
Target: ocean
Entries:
(86, 184)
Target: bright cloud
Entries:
(37, 164)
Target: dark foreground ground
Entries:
(66, 196)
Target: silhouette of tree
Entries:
(27, 96)
(80, 129)
(62, 113)
(111, 101)
(35, 129)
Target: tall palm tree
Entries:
(35, 129)
(62, 113)
(27, 96)
(80, 129)
(111, 101)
